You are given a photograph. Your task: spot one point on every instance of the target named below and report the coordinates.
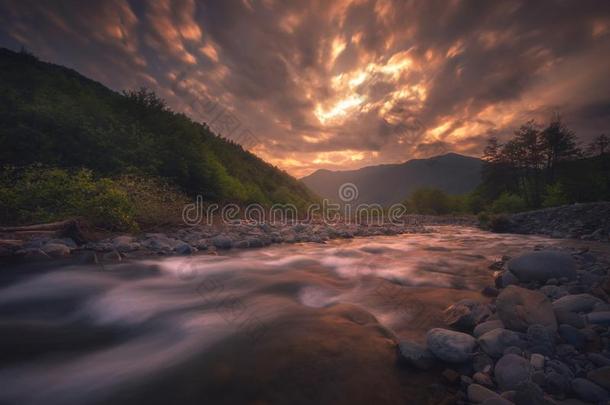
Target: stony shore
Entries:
(543, 338)
(203, 239)
(590, 221)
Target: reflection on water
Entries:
(305, 323)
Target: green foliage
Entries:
(54, 116)
(432, 201)
(39, 194)
(555, 196)
(508, 203)
(155, 201)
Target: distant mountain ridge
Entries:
(391, 183)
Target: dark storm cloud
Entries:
(347, 83)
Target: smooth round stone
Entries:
(542, 266)
(496, 341)
(599, 318)
(222, 242)
(486, 326)
(511, 371)
(519, 308)
(477, 393)
(570, 318)
(572, 336)
(56, 250)
(589, 391)
(450, 346)
(415, 355)
(576, 303)
(600, 376)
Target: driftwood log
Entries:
(70, 228)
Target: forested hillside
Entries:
(55, 117)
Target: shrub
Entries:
(508, 203)
(155, 201)
(555, 196)
(37, 194)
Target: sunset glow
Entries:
(320, 79)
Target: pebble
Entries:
(537, 361)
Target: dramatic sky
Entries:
(343, 84)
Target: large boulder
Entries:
(519, 308)
(543, 265)
(511, 371)
(449, 345)
(466, 314)
(496, 341)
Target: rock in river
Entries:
(466, 314)
(543, 265)
(450, 346)
(518, 308)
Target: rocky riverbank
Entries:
(189, 240)
(589, 221)
(543, 338)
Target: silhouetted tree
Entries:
(558, 143)
(599, 145)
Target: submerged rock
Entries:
(416, 355)
(450, 346)
(519, 308)
(466, 314)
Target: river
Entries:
(286, 324)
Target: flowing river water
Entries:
(286, 324)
